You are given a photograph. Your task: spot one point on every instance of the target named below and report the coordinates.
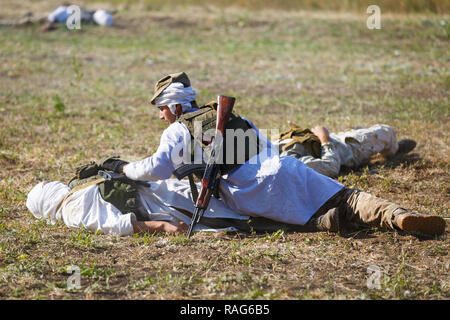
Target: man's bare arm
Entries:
(157, 226)
(322, 133)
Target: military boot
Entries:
(405, 146)
(414, 222)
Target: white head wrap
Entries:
(175, 94)
(43, 200)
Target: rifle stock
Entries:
(224, 108)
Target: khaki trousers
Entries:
(354, 206)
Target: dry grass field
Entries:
(71, 96)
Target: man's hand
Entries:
(179, 227)
(158, 226)
(322, 133)
(113, 164)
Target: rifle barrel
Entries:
(195, 219)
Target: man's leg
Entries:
(352, 206)
(362, 207)
(373, 140)
(327, 218)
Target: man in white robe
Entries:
(165, 202)
(280, 188)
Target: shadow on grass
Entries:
(403, 160)
(353, 232)
(367, 232)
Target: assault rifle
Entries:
(212, 168)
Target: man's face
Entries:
(166, 115)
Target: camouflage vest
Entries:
(207, 115)
(122, 194)
(303, 136)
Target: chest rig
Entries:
(240, 142)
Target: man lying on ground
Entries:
(327, 152)
(167, 206)
(265, 184)
(162, 206)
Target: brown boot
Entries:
(414, 222)
(405, 146)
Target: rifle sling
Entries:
(194, 189)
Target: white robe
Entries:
(279, 188)
(86, 208)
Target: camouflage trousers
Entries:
(355, 207)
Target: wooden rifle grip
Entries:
(202, 195)
(224, 108)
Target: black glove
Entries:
(114, 164)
